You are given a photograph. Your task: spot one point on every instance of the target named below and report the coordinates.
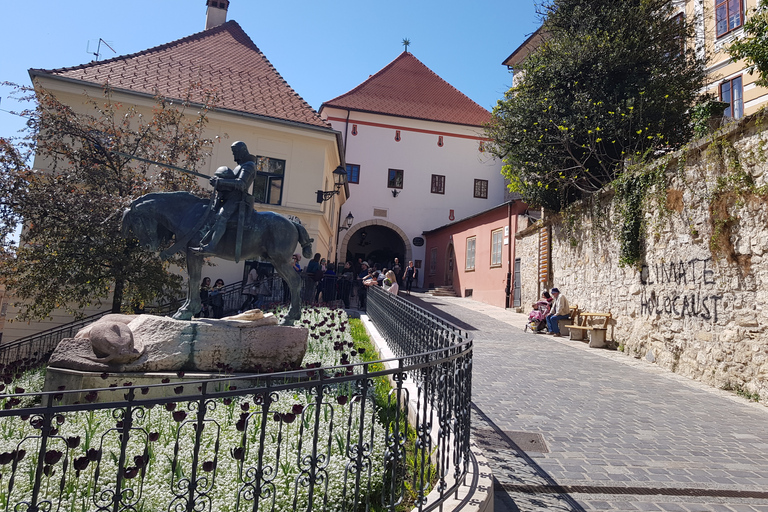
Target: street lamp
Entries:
(339, 180)
(347, 222)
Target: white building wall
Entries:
(415, 209)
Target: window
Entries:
(438, 184)
(497, 240)
(433, 261)
(481, 189)
(731, 92)
(729, 15)
(395, 178)
(353, 173)
(470, 253)
(268, 185)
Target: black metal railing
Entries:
(331, 438)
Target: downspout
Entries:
(508, 289)
(338, 219)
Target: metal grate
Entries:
(525, 441)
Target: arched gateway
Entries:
(376, 240)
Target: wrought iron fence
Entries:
(331, 438)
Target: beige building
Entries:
(717, 24)
(297, 150)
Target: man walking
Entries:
(560, 311)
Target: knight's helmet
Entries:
(224, 172)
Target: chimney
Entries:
(216, 14)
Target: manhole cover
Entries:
(508, 439)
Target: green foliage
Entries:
(753, 48)
(71, 254)
(704, 112)
(632, 189)
(610, 82)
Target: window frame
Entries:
(440, 189)
(351, 173)
(730, 82)
(500, 233)
(726, 5)
(483, 189)
(392, 181)
(270, 178)
(473, 240)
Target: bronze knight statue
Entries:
(233, 195)
(179, 220)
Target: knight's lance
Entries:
(161, 164)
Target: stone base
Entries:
(565, 331)
(163, 344)
(77, 379)
(577, 334)
(597, 338)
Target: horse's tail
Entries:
(304, 240)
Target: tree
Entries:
(612, 81)
(753, 47)
(71, 254)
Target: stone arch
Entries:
(375, 222)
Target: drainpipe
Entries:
(508, 289)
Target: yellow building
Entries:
(254, 105)
(717, 24)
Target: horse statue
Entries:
(156, 218)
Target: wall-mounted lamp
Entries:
(347, 222)
(395, 192)
(339, 179)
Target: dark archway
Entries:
(378, 245)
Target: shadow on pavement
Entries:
(514, 469)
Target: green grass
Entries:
(417, 464)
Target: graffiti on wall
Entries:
(696, 271)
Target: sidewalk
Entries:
(566, 427)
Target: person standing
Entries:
(560, 310)
(398, 270)
(217, 298)
(411, 275)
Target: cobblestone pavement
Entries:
(618, 433)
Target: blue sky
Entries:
(322, 48)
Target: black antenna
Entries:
(97, 53)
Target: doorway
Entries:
(449, 261)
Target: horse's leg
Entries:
(192, 305)
(286, 271)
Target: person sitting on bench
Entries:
(560, 311)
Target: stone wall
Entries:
(697, 303)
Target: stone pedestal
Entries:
(597, 338)
(77, 379)
(577, 334)
(562, 325)
(162, 344)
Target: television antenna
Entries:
(97, 53)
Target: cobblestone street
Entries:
(566, 427)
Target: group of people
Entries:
(389, 279)
(552, 306)
(320, 281)
(212, 298)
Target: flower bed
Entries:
(312, 439)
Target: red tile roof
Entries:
(408, 88)
(223, 59)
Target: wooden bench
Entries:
(596, 332)
(563, 324)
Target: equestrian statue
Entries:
(225, 226)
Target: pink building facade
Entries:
(476, 255)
